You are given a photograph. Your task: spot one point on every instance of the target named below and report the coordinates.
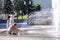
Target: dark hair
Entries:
(15, 24)
(8, 17)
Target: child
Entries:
(14, 30)
(10, 20)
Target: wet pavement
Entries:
(32, 34)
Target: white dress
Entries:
(12, 18)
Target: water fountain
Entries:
(43, 17)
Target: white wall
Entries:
(44, 3)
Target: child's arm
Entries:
(15, 14)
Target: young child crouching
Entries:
(14, 30)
